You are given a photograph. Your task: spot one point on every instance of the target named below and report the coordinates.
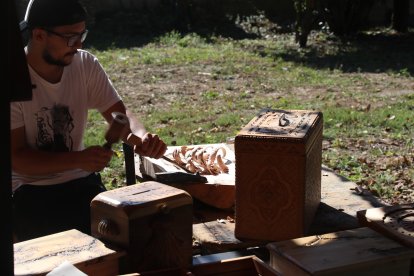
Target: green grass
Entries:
(344, 81)
(114, 175)
(396, 120)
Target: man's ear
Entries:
(38, 34)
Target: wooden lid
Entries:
(277, 123)
(336, 251)
(141, 199)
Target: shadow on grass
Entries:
(373, 52)
(365, 53)
(131, 25)
(133, 29)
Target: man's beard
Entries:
(52, 61)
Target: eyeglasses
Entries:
(71, 40)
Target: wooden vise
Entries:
(151, 221)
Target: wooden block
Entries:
(41, 255)
(151, 221)
(396, 222)
(360, 251)
(278, 174)
(215, 236)
(219, 191)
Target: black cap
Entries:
(52, 13)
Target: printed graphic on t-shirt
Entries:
(54, 126)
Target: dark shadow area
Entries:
(124, 24)
(109, 31)
(333, 218)
(364, 52)
(260, 251)
(133, 27)
(368, 51)
(101, 40)
(328, 219)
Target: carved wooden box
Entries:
(150, 220)
(278, 174)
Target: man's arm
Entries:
(144, 143)
(30, 161)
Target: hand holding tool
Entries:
(170, 177)
(132, 139)
(116, 129)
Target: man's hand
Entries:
(95, 158)
(150, 145)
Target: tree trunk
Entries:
(400, 15)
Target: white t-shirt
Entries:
(56, 117)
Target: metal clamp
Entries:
(283, 121)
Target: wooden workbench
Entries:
(213, 234)
(341, 199)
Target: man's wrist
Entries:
(133, 140)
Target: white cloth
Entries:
(56, 117)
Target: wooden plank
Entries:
(216, 236)
(360, 251)
(41, 255)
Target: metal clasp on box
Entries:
(283, 121)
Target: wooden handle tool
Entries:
(116, 129)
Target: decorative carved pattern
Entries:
(269, 192)
(401, 220)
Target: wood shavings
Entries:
(207, 160)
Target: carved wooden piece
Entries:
(41, 255)
(360, 251)
(150, 220)
(278, 174)
(219, 191)
(396, 222)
